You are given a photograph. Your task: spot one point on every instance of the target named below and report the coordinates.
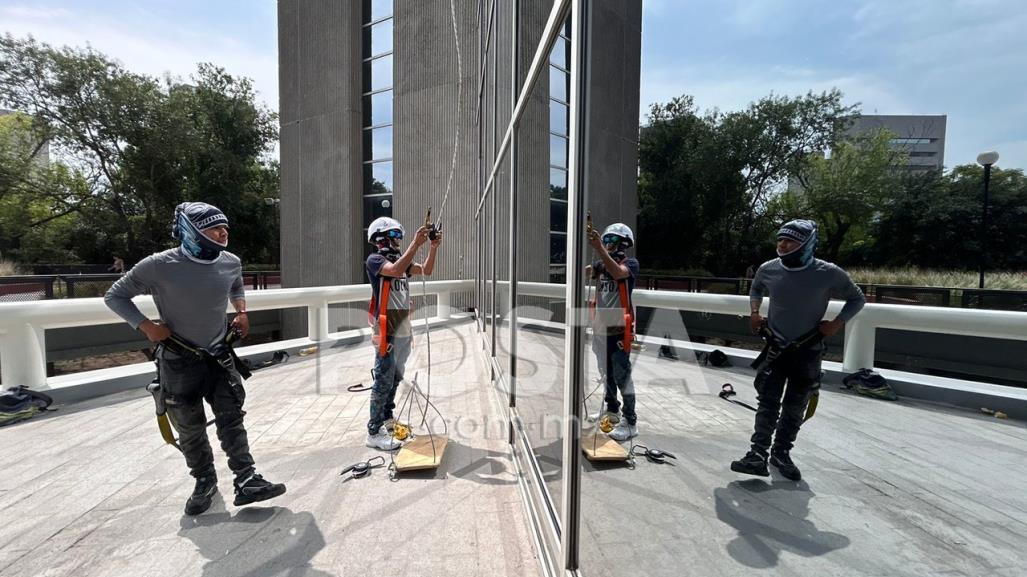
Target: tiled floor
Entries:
(91, 489)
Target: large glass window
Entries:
(377, 48)
(559, 127)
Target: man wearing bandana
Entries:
(192, 286)
(799, 287)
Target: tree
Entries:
(847, 189)
(706, 180)
(934, 221)
(141, 145)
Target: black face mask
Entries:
(389, 252)
(792, 259)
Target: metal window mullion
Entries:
(538, 62)
(512, 344)
(574, 377)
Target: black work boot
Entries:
(784, 464)
(202, 495)
(752, 463)
(254, 489)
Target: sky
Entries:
(962, 58)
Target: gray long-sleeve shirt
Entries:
(798, 299)
(191, 297)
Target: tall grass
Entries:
(913, 276)
(9, 268)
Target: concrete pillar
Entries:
(860, 339)
(317, 322)
(23, 357)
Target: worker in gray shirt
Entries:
(191, 286)
(800, 287)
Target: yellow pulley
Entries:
(400, 431)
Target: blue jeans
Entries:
(388, 372)
(615, 366)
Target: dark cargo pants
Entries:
(188, 381)
(780, 418)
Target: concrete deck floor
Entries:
(890, 488)
(91, 489)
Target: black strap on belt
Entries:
(773, 352)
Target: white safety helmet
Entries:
(621, 230)
(382, 226)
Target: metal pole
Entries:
(512, 345)
(984, 224)
(574, 357)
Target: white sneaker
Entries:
(623, 431)
(383, 441)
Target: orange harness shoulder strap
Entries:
(383, 317)
(629, 316)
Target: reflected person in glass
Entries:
(613, 318)
(800, 287)
(389, 271)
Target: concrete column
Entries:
(23, 357)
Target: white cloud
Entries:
(33, 13)
(146, 45)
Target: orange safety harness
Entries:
(378, 312)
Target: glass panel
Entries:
(378, 177)
(381, 37)
(560, 54)
(558, 246)
(380, 9)
(558, 215)
(557, 150)
(378, 73)
(558, 183)
(375, 206)
(378, 108)
(378, 143)
(558, 117)
(540, 306)
(559, 84)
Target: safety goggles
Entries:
(612, 239)
(394, 233)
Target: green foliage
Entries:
(706, 180)
(843, 192)
(129, 149)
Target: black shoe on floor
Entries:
(202, 495)
(752, 463)
(784, 464)
(256, 489)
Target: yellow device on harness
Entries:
(400, 431)
(606, 424)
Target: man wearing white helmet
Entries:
(613, 322)
(389, 271)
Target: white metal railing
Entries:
(23, 325)
(860, 333)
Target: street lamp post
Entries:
(985, 159)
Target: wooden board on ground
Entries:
(418, 453)
(602, 448)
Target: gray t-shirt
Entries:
(798, 299)
(191, 297)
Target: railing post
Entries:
(445, 305)
(860, 339)
(317, 321)
(23, 357)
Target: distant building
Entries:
(921, 137)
